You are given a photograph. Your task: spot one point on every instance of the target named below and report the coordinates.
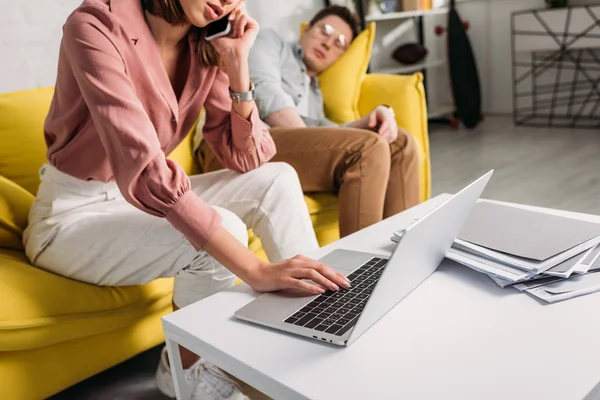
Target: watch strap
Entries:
(238, 97)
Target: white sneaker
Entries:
(205, 381)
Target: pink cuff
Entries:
(246, 132)
(194, 218)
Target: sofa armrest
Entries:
(406, 95)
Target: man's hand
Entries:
(383, 121)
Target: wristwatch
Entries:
(238, 97)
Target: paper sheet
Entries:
(580, 267)
(592, 256)
(596, 264)
(500, 282)
(531, 265)
(568, 288)
(566, 268)
(533, 235)
(574, 283)
(586, 262)
(536, 282)
(488, 267)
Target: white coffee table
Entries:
(457, 336)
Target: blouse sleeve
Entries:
(232, 138)
(146, 178)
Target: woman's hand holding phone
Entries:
(234, 50)
(238, 43)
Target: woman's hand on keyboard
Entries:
(293, 273)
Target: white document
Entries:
(523, 286)
(540, 280)
(568, 288)
(527, 234)
(530, 265)
(586, 262)
(486, 266)
(596, 265)
(500, 282)
(574, 283)
(592, 259)
(567, 267)
(592, 256)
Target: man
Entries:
(371, 164)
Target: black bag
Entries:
(410, 53)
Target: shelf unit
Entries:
(404, 14)
(441, 111)
(407, 69)
(434, 112)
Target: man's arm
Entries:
(288, 117)
(275, 106)
(362, 123)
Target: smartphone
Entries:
(219, 28)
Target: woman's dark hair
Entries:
(172, 12)
(343, 12)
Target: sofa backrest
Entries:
(22, 145)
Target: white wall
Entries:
(285, 16)
(30, 33)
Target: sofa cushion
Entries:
(14, 209)
(39, 309)
(406, 95)
(319, 204)
(22, 145)
(341, 83)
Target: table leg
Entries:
(181, 389)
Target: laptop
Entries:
(378, 282)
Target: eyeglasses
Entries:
(326, 31)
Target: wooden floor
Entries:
(547, 167)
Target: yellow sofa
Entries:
(55, 332)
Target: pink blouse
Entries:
(115, 116)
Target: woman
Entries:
(112, 210)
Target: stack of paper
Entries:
(518, 247)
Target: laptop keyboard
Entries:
(337, 312)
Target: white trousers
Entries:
(87, 231)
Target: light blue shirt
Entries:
(279, 75)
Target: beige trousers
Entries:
(372, 178)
